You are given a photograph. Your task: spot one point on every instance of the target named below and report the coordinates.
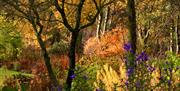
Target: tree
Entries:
(132, 37)
(77, 26)
(35, 12)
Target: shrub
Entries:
(10, 40)
(60, 47)
(107, 79)
(145, 70)
(84, 78)
(18, 82)
(169, 71)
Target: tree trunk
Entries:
(171, 42)
(72, 59)
(106, 15)
(132, 38)
(99, 27)
(176, 35)
(141, 39)
(132, 23)
(47, 62)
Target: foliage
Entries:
(110, 44)
(6, 74)
(18, 82)
(84, 77)
(169, 71)
(10, 39)
(60, 47)
(156, 20)
(146, 69)
(107, 79)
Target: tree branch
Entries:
(98, 9)
(63, 15)
(78, 14)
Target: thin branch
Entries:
(98, 9)
(63, 15)
(16, 8)
(78, 14)
(38, 21)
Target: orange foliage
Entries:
(111, 43)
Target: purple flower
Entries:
(127, 47)
(130, 71)
(161, 78)
(151, 69)
(59, 88)
(126, 83)
(73, 76)
(169, 82)
(132, 51)
(143, 56)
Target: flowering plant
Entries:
(141, 70)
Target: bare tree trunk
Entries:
(132, 23)
(140, 37)
(45, 53)
(176, 35)
(47, 62)
(98, 27)
(72, 59)
(106, 15)
(132, 39)
(171, 42)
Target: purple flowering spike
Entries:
(130, 71)
(169, 82)
(132, 51)
(59, 88)
(143, 56)
(161, 78)
(151, 69)
(73, 76)
(126, 83)
(127, 47)
(138, 58)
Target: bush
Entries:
(60, 47)
(84, 78)
(108, 79)
(18, 82)
(169, 71)
(10, 40)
